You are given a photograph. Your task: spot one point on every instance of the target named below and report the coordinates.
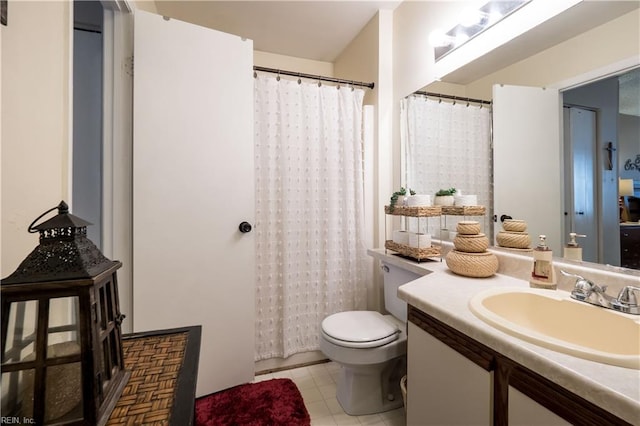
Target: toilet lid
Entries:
(359, 329)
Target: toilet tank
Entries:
(394, 277)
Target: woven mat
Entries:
(155, 363)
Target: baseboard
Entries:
(304, 359)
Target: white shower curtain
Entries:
(310, 256)
(448, 144)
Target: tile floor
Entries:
(317, 384)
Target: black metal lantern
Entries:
(62, 360)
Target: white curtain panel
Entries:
(310, 252)
(447, 145)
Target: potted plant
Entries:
(444, 197)
(399, 195)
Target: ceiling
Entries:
(317, 30)
(321, 30)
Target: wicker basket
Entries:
(468, 227)
(520, 240)
(464, 210)
(471, 243)
(474, 265)
(417, 211)
(413, 252)
(514, 225)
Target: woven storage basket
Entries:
(464, 210)
(418, 211)
(413, 252)
(513, 225)
(475, 265)
(471, 243)
(520, 240)
(468, 227)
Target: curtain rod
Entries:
(455, 98)
(314, 77)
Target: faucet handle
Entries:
(582, 283)
(629, 295)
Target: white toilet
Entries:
(371, 349)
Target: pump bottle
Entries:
(543, 275)
(572, 250)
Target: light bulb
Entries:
(438, 38)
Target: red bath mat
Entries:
(271, 402)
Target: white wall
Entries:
(36, 108)
(413, 56)
(291, 63)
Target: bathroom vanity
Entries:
(461, 370)
(630, 245)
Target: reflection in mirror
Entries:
(602, 132)
(447, 143)
(582, 44)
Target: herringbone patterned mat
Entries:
(155, 363)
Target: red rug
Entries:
(272, 402)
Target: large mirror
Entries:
(598, 131)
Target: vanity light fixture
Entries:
(472, 23)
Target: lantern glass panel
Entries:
(21, 332)
(63, 331)
(17, 393)
(63, 394)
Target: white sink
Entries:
(553, 320)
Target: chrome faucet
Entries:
(627, 300)
(589, 292)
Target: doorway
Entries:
(87, 116)
(581, 207)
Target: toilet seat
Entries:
(359, 329)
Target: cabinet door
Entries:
(526, 412)
(444, 387)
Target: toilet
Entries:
(371, 349)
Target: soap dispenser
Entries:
(543, 275)
(572, 250)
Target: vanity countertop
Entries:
(445, 296)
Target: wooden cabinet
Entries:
(444, 387)
(630, 246)
(514, 394)
(524, 411)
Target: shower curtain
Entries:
(310, 255)
(448, 144)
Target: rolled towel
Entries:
(401, 237)
(419, 240)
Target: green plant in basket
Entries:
(445, 192)
(394, 197)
